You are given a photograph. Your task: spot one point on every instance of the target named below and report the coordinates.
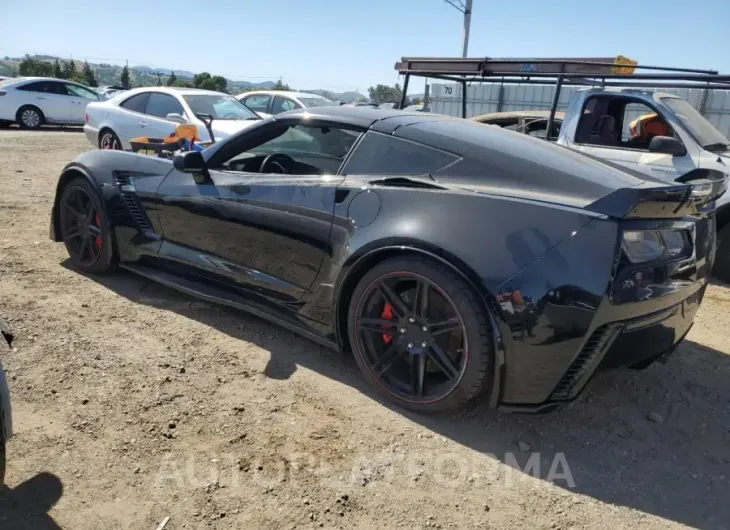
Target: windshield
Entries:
(220, 107)
(316, 102)
(696, 124)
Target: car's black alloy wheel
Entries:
(419, 335)
(109, 140)
(84, 227)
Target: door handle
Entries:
(142, 123)
(40, 97)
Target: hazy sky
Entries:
(348, 44)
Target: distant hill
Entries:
(109, 74)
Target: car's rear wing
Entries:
(691, 197)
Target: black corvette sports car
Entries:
(454, 260)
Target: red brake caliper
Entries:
(387, 314)
(97, 220)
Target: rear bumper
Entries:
(92, 133)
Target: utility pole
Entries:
(465, 7)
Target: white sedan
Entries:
(33, 101)
(269, 102)
(155, 112)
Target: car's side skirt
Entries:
(223, 297)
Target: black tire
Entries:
(109, 140)
(2, 463)
(721, 268)
(5, 124)
(29, 117)
(95, 256)
(475, 360)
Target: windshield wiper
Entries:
(718, 146)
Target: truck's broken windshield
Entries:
(696, 124)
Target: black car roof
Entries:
(355, 116)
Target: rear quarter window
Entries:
(381, 154)
(136, 103)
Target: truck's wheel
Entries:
(721, 268)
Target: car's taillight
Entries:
(86, 117)
(2, 93)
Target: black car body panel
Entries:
(6, 416)
(535, 229)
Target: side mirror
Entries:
(193, 163)
(667, 145)
(177, 118)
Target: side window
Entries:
(312, 150)
(160, 105)
(258, 103)
(282, 104)
(33, 87)
(641, 124)
(57, 88)
(81, 92)
(619, 122)
(380, 154)
(136, 103)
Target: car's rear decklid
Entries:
(694, 194)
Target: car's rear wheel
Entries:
(721, 268)
(29, 117)
(420, 335)
(85, 228)
(109, 140)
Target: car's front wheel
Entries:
(85, 228)
(420, 335)
(29, 117)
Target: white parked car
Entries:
(269, 102)
(34, 101)
(155, 112)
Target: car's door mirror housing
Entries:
(176, 117)
(667, 145)
(193, 163)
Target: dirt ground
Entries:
(133, 403)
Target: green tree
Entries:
(385, 94)
(124, 77)
(33, 67)
(207, 82)
(280, 85)
(69, 69)
(57, 72)
(88, 74)
(172, 79)
(182, 83)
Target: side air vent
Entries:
(132, 203)
(586, 361)
(405, 182)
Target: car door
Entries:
(79, 97)
(283, 104)
(154, 123)
(125, 119)
(620, 145)
(49, 96)
(265, 233)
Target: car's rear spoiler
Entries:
(696, 193)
